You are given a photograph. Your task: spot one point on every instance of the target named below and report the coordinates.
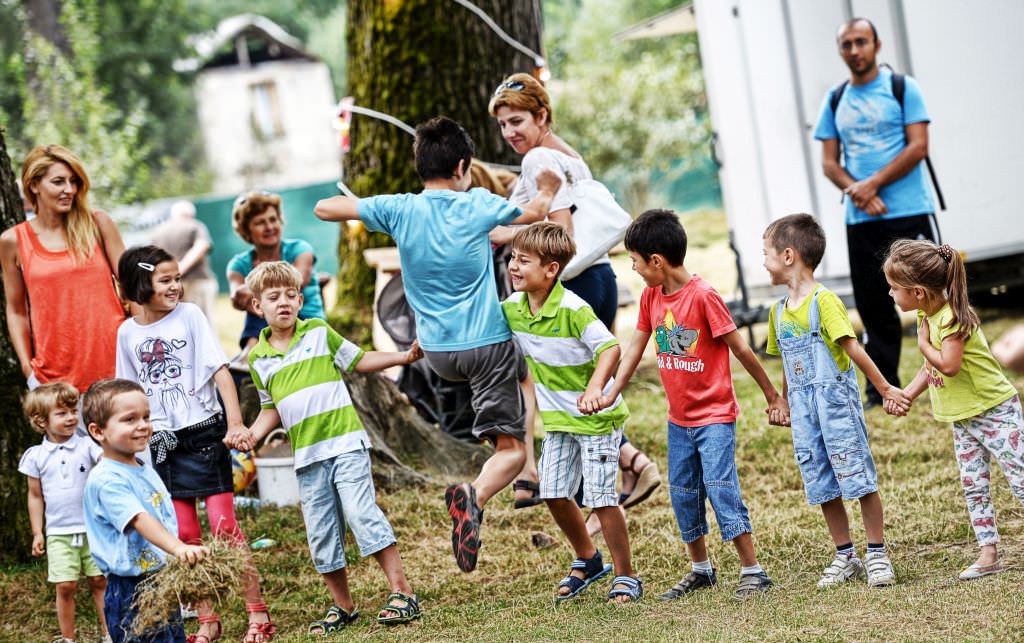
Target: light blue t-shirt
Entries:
(114, 494)
(447, 266)
(312, 304)
(870, 124)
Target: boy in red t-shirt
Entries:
(694, 333)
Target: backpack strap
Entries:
(837, 93)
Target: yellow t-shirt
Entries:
(977, 387)
(835, 324)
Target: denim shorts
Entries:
(830, 442)
(701, 467)
(565, 458)
(334, 492)
(120, 614)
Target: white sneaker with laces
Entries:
(841, 569)
(879, 568)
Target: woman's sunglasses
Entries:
(242, 198)
(514, 85)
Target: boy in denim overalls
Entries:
(811, 329)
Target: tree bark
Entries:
(44, 19)
(16, 435)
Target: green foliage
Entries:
(627, 107)
(67, 105)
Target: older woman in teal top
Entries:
(257, 218)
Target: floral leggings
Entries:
(998, 433)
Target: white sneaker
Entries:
(187, 611)
(879, 568)
(107, 639)
(841, 569)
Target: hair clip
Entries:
(146, 266)
(946, 252)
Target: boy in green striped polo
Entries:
(296, 367)
(572, 356)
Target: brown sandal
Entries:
(647, 480)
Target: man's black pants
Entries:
(868, 244)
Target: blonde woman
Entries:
(62, 307)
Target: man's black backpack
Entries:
(899, 86)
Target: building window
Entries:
(266, 111)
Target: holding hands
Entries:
(778, 411)
(592, 401)
(896, 402)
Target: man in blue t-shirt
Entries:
(883, 144)
(448, 274)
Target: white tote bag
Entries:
(598, 223)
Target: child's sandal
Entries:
(626, 586)
(335, 619)
(593, 569)
(259, 632)
(402, 613)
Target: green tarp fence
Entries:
(297, 204)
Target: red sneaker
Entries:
(466, 519)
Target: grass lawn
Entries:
(508, 597)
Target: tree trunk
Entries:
(44, 19)
(416, 59)
(16, 434)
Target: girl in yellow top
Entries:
(964, 381)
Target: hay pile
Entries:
(213, 579)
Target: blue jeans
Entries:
(701, 467)
(119, 614)
(334, 492)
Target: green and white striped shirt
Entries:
(304, 384)
(561, 344)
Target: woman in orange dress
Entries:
(62, 307)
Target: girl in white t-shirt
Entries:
(170, 349)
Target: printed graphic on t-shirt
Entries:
(677, 346)
(935, 378)
(161, 369)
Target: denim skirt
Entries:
(197, 463)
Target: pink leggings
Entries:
(220, 509)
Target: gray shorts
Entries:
(565, 458)
(493, 372)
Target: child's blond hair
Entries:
(39, 402)
(273, 274)
(549, 241)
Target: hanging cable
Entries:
(405, 127)
(538, 60)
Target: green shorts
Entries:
(68, 558)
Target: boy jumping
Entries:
(811, 329)
(694, 333)
(448, 273)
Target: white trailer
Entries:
(769, 63)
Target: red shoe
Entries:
(259, 632)
(466, 519)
